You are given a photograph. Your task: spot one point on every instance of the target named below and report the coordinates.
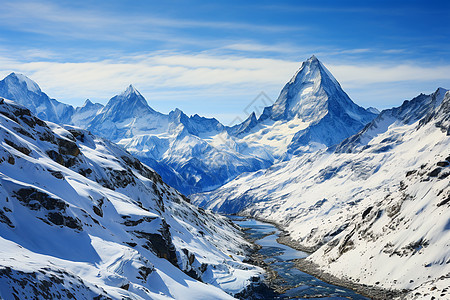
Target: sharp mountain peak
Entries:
(130, 90)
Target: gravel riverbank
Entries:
(272, 280)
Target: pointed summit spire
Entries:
(245, 126)
(131, 90)
(131, 96)
(313, 58)
(311, 94)
(87, 103)
(129, 104)
(305, 95)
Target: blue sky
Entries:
(214, 58)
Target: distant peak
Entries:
(131, 90)
(373, 110)
(88, 103)
(24, 81)
(176, 112)
(438, 95)
(313, 58)
(130, 100)
(440, 90)
(15, 75)
(250, 119)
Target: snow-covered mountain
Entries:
(86, 113)
(175, 145)
(118, 118)
(315, 98)
(196, 154)
(368, 192)
(81, 218)
(375, 211)
(24, 91)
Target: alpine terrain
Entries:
(373, 209)
(366, 193)
(80, 218)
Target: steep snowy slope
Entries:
(81, 218)
(378, 215)
(196, 154)
(409, 112)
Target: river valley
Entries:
(279, 260)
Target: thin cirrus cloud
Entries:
(91, 24)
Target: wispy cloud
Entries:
(357, 75)
(153, 73)
(384, 84)
(400, 8)
(181, 54)
(188, 76)
(256, 47)
(50, 19)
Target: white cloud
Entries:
(153, 73)
(182, 77)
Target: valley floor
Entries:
(435, 289)
(286, 277)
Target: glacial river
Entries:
(279, 257)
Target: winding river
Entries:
(279, 258)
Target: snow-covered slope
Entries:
(378, 214)
(82, 218)
(196, 154)
(409, 112)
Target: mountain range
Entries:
(196, 154)
(366, 192)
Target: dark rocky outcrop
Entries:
(67, 147)
(37, 200)
(161, 244)
(47, 284)
(4, 219)
(18, 147)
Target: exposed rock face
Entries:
(55, 208)
(161, 243)
(49, 284)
